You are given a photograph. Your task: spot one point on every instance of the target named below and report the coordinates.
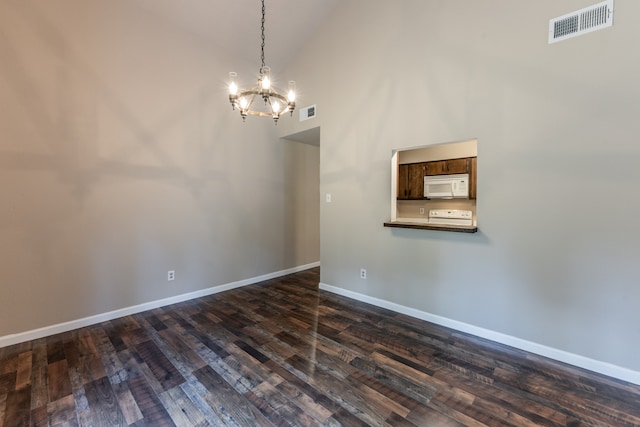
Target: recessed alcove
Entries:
(409, 206)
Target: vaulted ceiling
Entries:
(235, 24)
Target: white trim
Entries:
(12, 339)
(394, 185)
(604, 368)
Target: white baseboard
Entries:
(8, 340)
(541, 350)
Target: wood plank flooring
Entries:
(283, 353)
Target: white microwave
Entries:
(454, 186)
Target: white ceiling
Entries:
(235, 24)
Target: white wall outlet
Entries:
(421, 211)
(363, 273)
(327, 197)
(171, 275)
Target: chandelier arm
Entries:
(247, 108)
(247, 92)
(256, 91)
(280, 97)
(260, 113)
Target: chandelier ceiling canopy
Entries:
(275, 104)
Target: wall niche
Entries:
(409, 207)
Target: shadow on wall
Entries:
(118, 164)
(60, 109)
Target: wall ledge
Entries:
(577, 360)
(46, 331)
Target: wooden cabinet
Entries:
(411, 181)
(411, 176)
(446, 167)
(403, 182)
(472, 178)
(416, 181)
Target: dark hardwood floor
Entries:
(284, 353)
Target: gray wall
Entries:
(556, 259)
(120, 159)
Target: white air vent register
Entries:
(307, 113)
(582, 21)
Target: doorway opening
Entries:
(302, 151)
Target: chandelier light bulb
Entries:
(291, 96)
(244, 103)
(233, 86)
(275, 106)
(265, 78)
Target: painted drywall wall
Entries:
(557, 136)
(442, 151)
(120, 159)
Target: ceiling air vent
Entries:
(582, 21)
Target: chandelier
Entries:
(275, 104)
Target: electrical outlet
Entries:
(327, 197)
(421, 211)
(363, 273)
(171, 275)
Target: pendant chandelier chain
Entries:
(262, 47)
